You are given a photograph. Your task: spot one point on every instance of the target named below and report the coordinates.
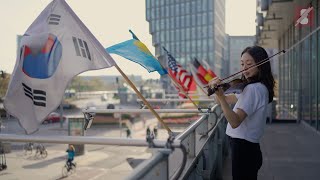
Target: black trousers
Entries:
(69, 162)
(246, 159)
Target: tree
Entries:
(4, 82)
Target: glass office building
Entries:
(237, 45)
(299, 76)
(188, 29)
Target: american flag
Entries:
(180, 74)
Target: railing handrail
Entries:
(176, 100)
(197, 156)
(141, 110)
(193, 126)
(83, 140)
(148, 164)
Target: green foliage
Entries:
(4, 82)
(80, 84)
(126, 116)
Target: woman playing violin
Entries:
(246, 121)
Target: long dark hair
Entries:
(264, 75)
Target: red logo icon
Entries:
(304, 16)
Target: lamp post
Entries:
(2, 77)
(120, 115)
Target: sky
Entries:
(109, 21)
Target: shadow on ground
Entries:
(44, 163)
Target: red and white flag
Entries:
(182, 76)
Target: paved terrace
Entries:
(290, 152)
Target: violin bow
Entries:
(256, 65)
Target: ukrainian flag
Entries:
(134, 50)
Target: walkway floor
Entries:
(290, 151)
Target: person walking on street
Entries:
(148, 131)
(128, 133)
(155, 131)
(247, 119)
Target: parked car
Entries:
(53, 118)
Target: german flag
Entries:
(207, 66)
(203, 74)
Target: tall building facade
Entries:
(299, 68)
(188, 29)
(237, 45)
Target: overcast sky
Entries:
(109, 21)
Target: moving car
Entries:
(53, 118)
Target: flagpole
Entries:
(201, 88)
(143, 99)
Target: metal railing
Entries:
(205, 146)
(177, 100)
(196, 153)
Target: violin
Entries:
(237, 84)
(234, 86)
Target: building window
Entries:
(193, 33)
(211, 17)
(193, 7)
(167, 11)
(157, 15)
(167, 36)
(188, 19)
(183, 10)
(210, 5)
(177, 10)
(177, 36)
(204, 19)
(205, 5)
(162, 15)
(172, 14)
(167, 22)
(199, 19)
(148, 4)
(187, 7)
(193, 20)
(161, 2)
(183, 34)
(199, 6)
(204, 32)
(162, 24)
(188, 34)
(153, 14)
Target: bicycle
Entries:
(68, 169)
(41, 151)
(27, 148)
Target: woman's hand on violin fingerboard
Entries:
(214, 82)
